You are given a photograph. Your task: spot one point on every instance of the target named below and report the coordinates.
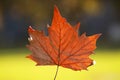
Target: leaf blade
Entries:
(63, 46)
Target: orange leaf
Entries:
(63, 46)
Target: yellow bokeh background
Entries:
(17, 67)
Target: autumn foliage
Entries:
(63, 46)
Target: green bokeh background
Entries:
(14, 66)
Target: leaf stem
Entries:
(56, 72)
(58, 55)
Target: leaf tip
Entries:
(30, 29)
(77, 26)
(56, 12)
(98, 35)
(56, 8)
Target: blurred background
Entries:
(95, 16)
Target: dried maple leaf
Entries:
(63, 46)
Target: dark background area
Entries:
(95, 16)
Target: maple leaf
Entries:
(63, 46)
